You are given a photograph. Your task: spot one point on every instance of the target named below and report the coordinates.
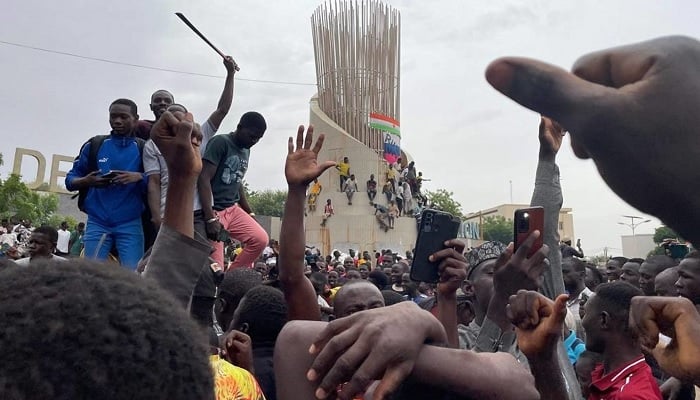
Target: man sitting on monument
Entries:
(114, 185)
(350, 188)
(371, 189)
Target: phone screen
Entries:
(436, 227)
(526, 221)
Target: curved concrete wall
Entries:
(352, 226)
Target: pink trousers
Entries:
(245, 229)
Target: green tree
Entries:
(443, 200)
(497, 228)
(267, 202)
(56, 219)
(664, 232)
(16, 199)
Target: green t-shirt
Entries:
(76, 240)
(232, 163)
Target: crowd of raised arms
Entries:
(188, 319)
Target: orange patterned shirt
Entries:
(233, 383)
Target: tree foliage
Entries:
(267, 202)
(497, 228)
(443, 200)
(664, 232)
(17, 200)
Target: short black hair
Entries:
(127, 102)
(620, 259)
(595, 272)
(318, 280)
(162, 90)
(579, 266)
(379, 279)
(391, 297)
(49, 231)
(636, 260)
(661, 262)
(236, 283)
(253, 120)
(616, 298)
(89, 326)
(265, 312)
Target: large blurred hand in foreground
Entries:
(178, 138)
(380, 344)
(634, 111)
(677, 318)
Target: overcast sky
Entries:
(464, 135)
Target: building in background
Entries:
(472, 223)
(637, 246)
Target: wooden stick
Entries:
(195, 30)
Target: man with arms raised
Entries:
(153, 162)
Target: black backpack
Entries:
(95, 144)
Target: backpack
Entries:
(95, 144)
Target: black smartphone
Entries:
(109, 175)
(526, 221)
(435, 228)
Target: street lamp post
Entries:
(632, 225)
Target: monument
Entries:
(357, 107)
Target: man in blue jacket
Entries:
(115, 190)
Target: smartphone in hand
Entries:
(526, 221)
(109, 175)
(436, 227)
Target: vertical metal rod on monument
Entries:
(356, 46)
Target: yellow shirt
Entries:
(233, 383)
(391, 174)
(316, 188)
(344, 169)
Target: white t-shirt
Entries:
(63, 240)
(154, 163)
(25, 261)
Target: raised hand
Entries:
(677, 318)
(178, 138)
(452, 267)
(230, 64)
(238, 350)
(538, 322)
(302, 166)
(551, 135)
(618, 104)
(376, 344)
(514, 271)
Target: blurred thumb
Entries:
(549, 90)
(560, 307)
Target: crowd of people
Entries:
(283, 322)
(18, 240)
(401, 187)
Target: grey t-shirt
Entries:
(154, 163)
(231, 164)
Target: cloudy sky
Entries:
(464, 135)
